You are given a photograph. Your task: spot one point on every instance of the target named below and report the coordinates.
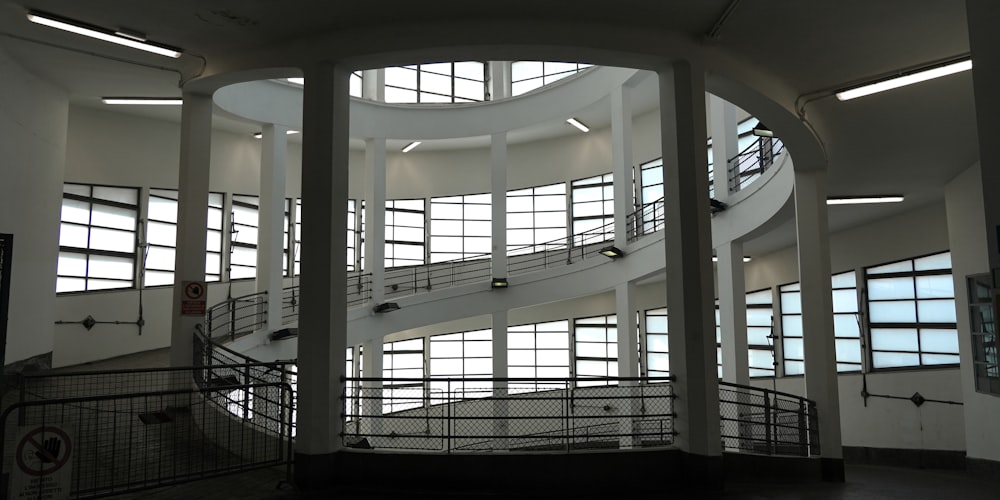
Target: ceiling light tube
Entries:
(578, 124)
(863, 200)
(903, 80)
(745, 258)
(100, 34)
(411, 146)
(260, 135)
(143, 101)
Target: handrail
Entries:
(753, 161)
(760, 420)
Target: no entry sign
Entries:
(43, 463)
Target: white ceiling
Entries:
(909, 141)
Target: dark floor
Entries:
(863, 483)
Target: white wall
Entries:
(33, 117)
(967, 231)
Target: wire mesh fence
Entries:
(136, 429)
(767, 422)
(522, 415)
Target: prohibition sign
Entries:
(36, 457)
(194, 290)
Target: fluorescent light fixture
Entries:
(745, 258)
(576, 123)
(862, 200)
(903, 80)
(126, 39)
(411, 146)
(297, 80)
(260, 135)
(143, 101)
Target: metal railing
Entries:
(648, 219)
(753, 161)
(131, 430)
(237, 316)
(519, 415)
(768, 422)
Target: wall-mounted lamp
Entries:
(717, 206)
(761, 130)
(385, 307)
(612, 252)
(499, 283)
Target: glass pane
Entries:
(523, 70)
(791, 302)
(120, 195)
(400, 77)
(895, 267)
(793, 350)
(393, 94)
(553, 358)
(71, 235)
(891, 339)
(844, 280)
(932, 262)
(72, 264)
(932, 287)
(845, 325)
(791, 326)
(473, 70)
(117, 268)
(845, 301)
(892, 359)
(848, 351)
(114, 217)
(162, 209)
(939, 341)
(112, 240)
(890, 288)
(75, 211)
(936, 311)
(893, 312)
(160, 233)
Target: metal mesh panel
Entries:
(552, 416)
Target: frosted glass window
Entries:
(98, 238)
(596, 349)
(463, 81)
(529, 75)
(403, 360)
(537, 350)
(535, 216)
(657, 343)
(404, 232)
(244, 219)
(908, 297)
(760, 345)
(461, 227)
(593, 209)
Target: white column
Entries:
(323, 317)
(819, 348)
(500, 404)
(725, 142)
(733, 313)
(270, 237)
(628, 358)
(499, 79)
(375, 216)
(690, 300)
(372, 391)
(373, 84)
(621, 160)
(192, 222)
(498, 187)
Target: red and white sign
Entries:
(193, 300)
(43, 465)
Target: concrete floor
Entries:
(863, 482)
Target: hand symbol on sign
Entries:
(51, 447)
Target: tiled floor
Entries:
(863, 482)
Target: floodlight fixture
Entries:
(612, 252)
(385, 307)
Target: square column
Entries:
(621, 160)
(688, 243)
(192, 222)
(500, 389)
(819, 348)
(498, 189)
(371, 391)
(725, 143)
(270, 247)
(323, 317)
(375, 216)
(733, 313)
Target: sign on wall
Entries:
(43, 463)
(193, 300)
